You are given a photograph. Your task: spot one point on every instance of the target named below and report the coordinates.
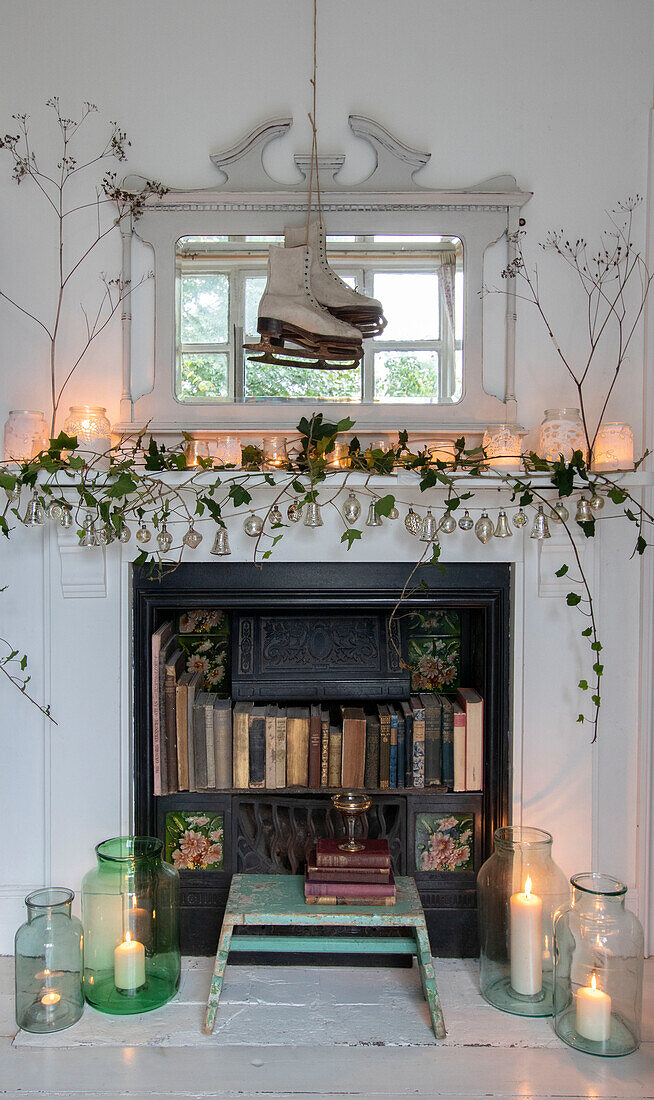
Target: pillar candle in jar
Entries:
(129, 964)
(526, 941)
(593, 1015)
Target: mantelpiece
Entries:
(248, 202)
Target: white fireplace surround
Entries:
(69, 786)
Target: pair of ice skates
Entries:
(305, 304)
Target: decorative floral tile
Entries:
(194, 840)
(444, 842)
(434, 652)
(204, 638)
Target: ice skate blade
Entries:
(267, 352)
(368, 321)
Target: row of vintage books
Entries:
(200, 741)
(337, 877)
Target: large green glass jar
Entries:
(130, 910)
(48, 952)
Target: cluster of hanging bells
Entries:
(309, 317)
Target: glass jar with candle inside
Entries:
(598, 968)
(49, 963)
(130, 909)
(274, 450)
(519, 889)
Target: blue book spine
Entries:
(393, 766)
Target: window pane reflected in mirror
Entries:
(203, 377)
(204, 309)
(411, 305)
(406, 376)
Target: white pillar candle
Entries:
(593, 1016)
(526, 942)
(129, 964)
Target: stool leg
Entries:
(428, 979)
(217, 979)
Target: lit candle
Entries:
(593, 1016)
(129, 964)
(526, 941)
(139, 922)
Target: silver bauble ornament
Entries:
(143, 535)
(192, 538)
(394, 513)
(466, 521)
(596, 502)
(13, 495)
(66, 520)
(559, 513)
(164, 539)
(125, 533)
(351, 509)
(294, 511)
(484, 527)
(253, 526)
(53, 511)
(448, 524)
(413, 522)
(502, 528)
(520, 518)
(274, 515)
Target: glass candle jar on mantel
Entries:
(130, 909)
(502, 445)
(49, 954)
(561, 433)
(519, 889)
(598, 968)
(93, 430)
(228, 451)
(26, 435)
(614, 447)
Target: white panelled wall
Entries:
(559, 94)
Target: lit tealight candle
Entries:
(129, 964)
(593, 1015)
(526, 942)
(51, 998)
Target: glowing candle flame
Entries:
(50, 998)
(527, 886)
(593, 983)
(128, 938)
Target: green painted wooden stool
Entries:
(278, 901)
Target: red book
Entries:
(349, 889)
(375, 853)
(315, 732)
(345, 874)
(363, 900)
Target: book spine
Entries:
(349, 874)
(349, 889)
(222, 729)
(190, 697)
(171, 734)
(211, 755)
(297, 752)
(335, 751)
(372, 753)
(181, 719)
(156, 718)
(280, 754)
(408, 748)
(199, 747)
(257, 752)
(432, 746)
(310, 900)
(447, 754)
(392, 763)
(271, 751)
(241, 749)
(324, 753)
(384, 752)
(419, 749)
(314, 751)
(345, 859)
(401, 752)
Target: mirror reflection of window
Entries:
(418, 359)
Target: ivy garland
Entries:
(135, 491)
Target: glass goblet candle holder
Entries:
(352, 805)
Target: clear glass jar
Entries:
(503, 446)
(598, 968)
(561, 433)
(130, 909)
(614, 447)
(49, 963)
(93, 430)
(274, 450)
(26, 434)
(228, 451)
(519, 889)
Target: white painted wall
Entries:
(558, 94)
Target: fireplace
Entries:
(270, 831)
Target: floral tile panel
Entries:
(434, 651)
(204, 638)
(194, 840)
(444, 842)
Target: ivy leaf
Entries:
(587, 632)
(562, 571)
(298, 487)
(239, 495)
(7, 481)
(350, 536)
(588, 528)
(597, 646)
(596, 699)
(345, 425)
(384, 504)
(583, 684)
(572, 599)
(616, 495)
(598, 668)
(580, 718)
(526, 498)
(428, 481)
(641, 545)
(122, 486)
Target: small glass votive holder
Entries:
(194, 450)
(502, 445)
(598, 968)
(274, 451)
(93, 431)
(339, 458)
(442, 450)
(228, 451)
(614, 447)
(49, 963)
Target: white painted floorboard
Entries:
(480, 1058)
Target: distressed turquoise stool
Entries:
(278, 901)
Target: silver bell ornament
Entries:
(372, 519)
(66, 520)
(484, 527)
(596, 502)
(502, 528)
(394, 513)
(559, 513)
(164, 539)
(520, 518)
(143, 535)
(351, 509)
(274, 515)
(253, 526)
(221, 543)
(448, 524)
(102, 535)
(294, 511)
(125, 533)
(413, 522)
(312, 517)
(466, 521)
(429, 531)
(541, 529)
(13, 495)
(35, 514)
(87, 538)
(192, 538)
(54, 509)
(584, 514)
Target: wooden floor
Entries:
(471, 1064)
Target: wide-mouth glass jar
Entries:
(49, 954)
(598, 971)
(561, 433)
(130, 910)
(519, 888)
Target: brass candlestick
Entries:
(352, 806)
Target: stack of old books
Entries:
(335, 877)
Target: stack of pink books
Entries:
(335, 877)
